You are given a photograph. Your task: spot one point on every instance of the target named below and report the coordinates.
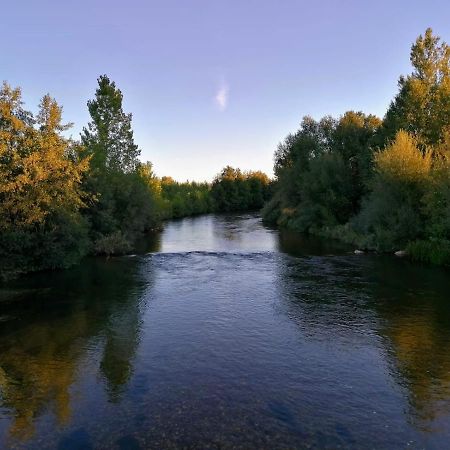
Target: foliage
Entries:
(126, 192)
(115, 243)
(322, 172)
(62, 199)
(109, 137)
(391, 214)
(430, 251)
(40, 188)
(436, 201)
(381, 185)
(422, 105)
(233, 190)
(185, 199)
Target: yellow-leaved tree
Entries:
(392, 215)
(40, 187)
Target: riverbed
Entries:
(222, 333)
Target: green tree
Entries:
(126, 194)
(185, 199)
(227, 190)
(392, 214)
(353, 138)
(422, 105)
(233, 190)
(322, 172)
(109, 136)
(332, 178)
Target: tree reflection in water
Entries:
(401, 309)
(94, 307)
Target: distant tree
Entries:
(259, 186)
(227, 190)
(185, 199)
(326, 194)
(233, 190)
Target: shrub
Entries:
(431, 251)
(391, 215)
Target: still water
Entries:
(224, 334)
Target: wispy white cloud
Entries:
(221, 98)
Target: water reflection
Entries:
(413, 304)
(55, 322)
(218, 233)
(297, 244)
(227, 335)
(398, 313)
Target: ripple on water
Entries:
(227, 335)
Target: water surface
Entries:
(222, 333)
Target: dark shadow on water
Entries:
(77, 440)
(298, 244)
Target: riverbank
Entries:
(432, 252)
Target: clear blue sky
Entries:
(211, 82)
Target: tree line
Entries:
(381, 184)
(62, 199)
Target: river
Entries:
(222, 333)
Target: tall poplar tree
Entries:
(109, 136)
(125, 195)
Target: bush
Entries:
(430, 252)
(57, 244)
(113, 244)
(391, 216)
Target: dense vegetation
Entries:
(41, 194)
(61, 199)
(380, 184)
(185, 199)
(233, 190)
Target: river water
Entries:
(222, 333)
